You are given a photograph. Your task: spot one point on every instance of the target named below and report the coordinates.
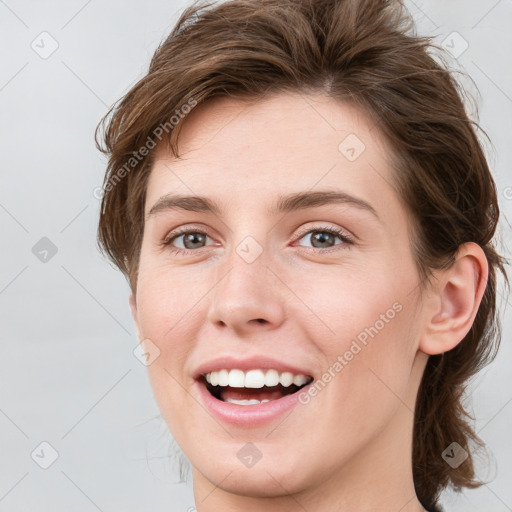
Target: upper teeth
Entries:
(254, 378)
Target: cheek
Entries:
(368, 377)
(164, 320)
(372, 344)
(167, 298)
(353, 307)
(379, 360)
(170, 309)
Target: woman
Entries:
(313, 270)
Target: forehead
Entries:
(284, 143)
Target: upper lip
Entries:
(249, 363)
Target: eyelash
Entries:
(347, 240)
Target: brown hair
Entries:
(359, 51)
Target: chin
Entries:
(271, 480)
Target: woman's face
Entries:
(266, 281)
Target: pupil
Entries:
(191, 236)
(321, 236)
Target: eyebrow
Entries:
(285, 204)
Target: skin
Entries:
(349, 448)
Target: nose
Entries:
(249, 296)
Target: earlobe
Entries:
(456, 302)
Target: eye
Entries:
(322, 238)
(192, 239)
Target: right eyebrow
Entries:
(188, 203)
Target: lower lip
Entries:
(248, 416)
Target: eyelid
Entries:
(338, 231)
(183, 230)
(346, 237)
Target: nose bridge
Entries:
(247, 292)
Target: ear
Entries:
(133, 307)
(455, 300)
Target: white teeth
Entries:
(299, 380)
(236, 378)
(223, 378)
(254, 378)
(286, 379)
(246, 402)
(272, 378)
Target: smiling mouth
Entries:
(253, 392)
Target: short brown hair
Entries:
(358, 51)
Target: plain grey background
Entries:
(68, 375)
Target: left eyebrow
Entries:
(285, 204)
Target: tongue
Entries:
(264, 393)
